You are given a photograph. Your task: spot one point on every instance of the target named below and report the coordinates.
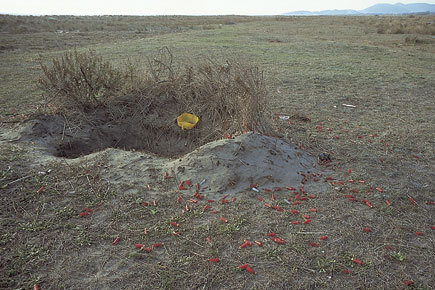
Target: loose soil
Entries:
(157, 132)
(228, 166)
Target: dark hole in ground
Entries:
(156, 131)
(62, 140)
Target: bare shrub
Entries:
(79, 80)
(143, 101)
(229, 96)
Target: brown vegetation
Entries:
(229, 97)
(401, 25)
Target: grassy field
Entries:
(382, 150)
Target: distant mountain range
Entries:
(377, 9)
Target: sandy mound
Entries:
(230, 166)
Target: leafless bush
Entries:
(229, 97)
(230, 94)
(79, 81)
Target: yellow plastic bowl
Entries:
(187, 121)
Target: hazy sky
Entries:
(181, 7)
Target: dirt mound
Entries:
(231, 166)
(228, 166)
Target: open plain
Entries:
(358, 89)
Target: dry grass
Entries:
(79, 82)
(318, 64)
(47, 231)
(39, 33)
(229, 97)
(406, 25)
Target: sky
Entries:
(180, 7)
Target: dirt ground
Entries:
(64, 138)
(99, 206)
(125, 219)
(228, 166)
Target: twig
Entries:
(194, 243)
(108, 187)
(349, 106)
(238, 149)
(307, 269)
(17, 180)
(205, 284)
(63, 130)
(206, 137)
(89, 182)
(242, 161)
(72, 169)
(7, 170)
(197, 254)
